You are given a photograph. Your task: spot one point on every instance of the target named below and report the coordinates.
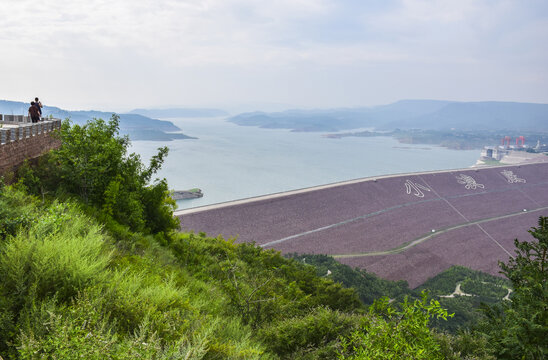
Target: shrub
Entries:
(84, 330)
(16, 210)
(315, 333)
(392, 333)
(93, 164)
(59, 254)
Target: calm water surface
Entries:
(230, 162)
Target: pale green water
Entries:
(230, 162)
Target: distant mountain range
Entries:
(140, 124)
(179, 112)
(408, 114)
(137, 126)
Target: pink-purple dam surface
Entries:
(402, 227)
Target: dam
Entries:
(400, 227)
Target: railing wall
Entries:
(25, 130)
(20, 140)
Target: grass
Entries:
(68, 289)
(72, 288)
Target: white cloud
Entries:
(246, 50)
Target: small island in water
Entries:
(187, 194)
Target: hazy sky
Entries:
(122, 54)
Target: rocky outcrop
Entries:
(187, 194)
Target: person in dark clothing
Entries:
(38, 104)
(34, 112)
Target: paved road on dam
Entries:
(401, 227)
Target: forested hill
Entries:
(406, 114)
(483, 116)
(179, 112)
(138, 127)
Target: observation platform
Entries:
(20, 139)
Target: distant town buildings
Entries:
(498, 152)
(541, 147)
(493, 152)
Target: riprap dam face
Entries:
(405, 227)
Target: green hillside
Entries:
(482, 288)
(93, 267)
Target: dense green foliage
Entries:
(368, 286)
(14, 211)
(481, 288)
(93, 164)
(484, 288)
(70, 290)
(390, 333)
(519, 328)
(315, 335)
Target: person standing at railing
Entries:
(38, 104)
(34, 112)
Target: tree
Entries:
(391, 333)
(93, 163)
(90, 157)
(519, 328)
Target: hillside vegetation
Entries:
(92, 267)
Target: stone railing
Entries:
(20, 141)
(17, 128)
(18, 119)
(14, 119)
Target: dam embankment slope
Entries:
(401, 227)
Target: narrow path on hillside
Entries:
(457, 292)
(429, 236)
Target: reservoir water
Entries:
(230, 162)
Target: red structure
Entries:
(518, 139)
(506, 140)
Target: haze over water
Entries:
(230, 162)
